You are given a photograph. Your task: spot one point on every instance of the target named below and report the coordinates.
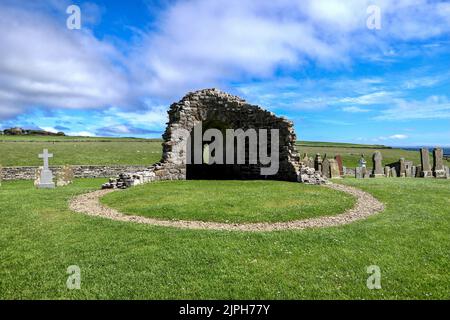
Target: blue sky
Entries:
(313, 61)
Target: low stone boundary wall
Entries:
(80, 171)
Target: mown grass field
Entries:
(82, 152)
(229, 201)
(23, 151)
(409, 241)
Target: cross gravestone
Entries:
(377, 171)
(338, 159)
(46, 175)
(438, 163)
(425, 161)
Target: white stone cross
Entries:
(45, 155)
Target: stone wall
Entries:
(80, 171)
(214, 109)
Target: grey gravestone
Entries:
(438, 163)
(358, 173)
(393, 172)
(377, 166)
(447, 172)
(425, 161)
(366, 173)
(413, 171)
(334, 169)
(402, 168)
(387, 171)
(408, 168)
(326, 168)
(46, 175)
(318, 163)
(1, 175)
(418, 171)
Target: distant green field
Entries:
(92, 152)
(23, 151)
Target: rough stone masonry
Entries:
(215, 109)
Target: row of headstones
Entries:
(329, 167)
(404, 168)
(44, 176)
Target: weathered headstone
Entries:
(387, 171)
(425, 161)
(326, 168)
(358, 173)
(377, 170)
(1, 175)
(438, 163)
(318, 163)
(334, 169)
(447, 172)
(394, 172)
(366, 173)
(413, 171)
(418, 171)
(65, 176)
(45, 174)
(338, 159)
(402, 168)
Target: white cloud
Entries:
(398, 136)
(434, 107)
(196, 44)
(354, 109)
(81, 134)
(42, 63)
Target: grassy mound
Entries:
(229, 201)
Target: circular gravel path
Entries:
(366, 205)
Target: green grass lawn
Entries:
(229, 201)
(410, 242)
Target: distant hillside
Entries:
(29, 132)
